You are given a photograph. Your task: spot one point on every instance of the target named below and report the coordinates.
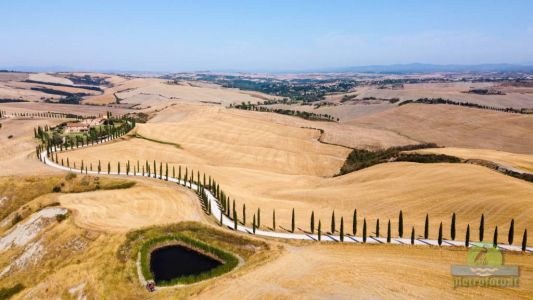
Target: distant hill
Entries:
(431, 68)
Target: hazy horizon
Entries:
(269, 37)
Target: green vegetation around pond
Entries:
(226, 246)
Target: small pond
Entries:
(170, 262)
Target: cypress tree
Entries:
(412, 235)
(274, 220)
(108, 167)
(155, 170)
(440, 234)
(400, 224)
(364, 230)
(244, 214)
(166, 172)
(452, 228)
(481, 228)
(388, 232)
(253, 225)
(467, 238)
(524, 240)
(234, 206)
(179, 173)
(426, 228)
(234, 218)
(510, 236)
(495, 238)
(377, 227)
(161, 170)
(354, 222)
(319, 230)
(341, 234)
(138, 166)
(258, 218)
(118, 167)
(173, 172)
(312, 225)
(128, 168)
(99, 167)
(292, 222)
(221, 216)
(333, 222)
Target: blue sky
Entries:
(262, 35)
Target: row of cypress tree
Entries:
(225, 205)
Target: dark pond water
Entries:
(174, 261)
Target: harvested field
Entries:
(61, 108)
(345, 112)
(134, 208)
(453, 126)
(49, 78)
(13, 76)
(269, 166)
(452, 91)
(347, 135)
(364, 271)
(513, 160)
(17, 154)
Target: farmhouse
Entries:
(83, 126)
(76, 127)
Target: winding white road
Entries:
(216, 213)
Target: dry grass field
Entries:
(452, 91)
(270, 162)
(348, 135)
(345, 112)
(123, 210)
(17, 154)
(269, 166)
(84, 110)
(364, 272)
(150, 92)
(513, 160)
(453, 126)
(44, 77)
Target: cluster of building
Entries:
(83, 126)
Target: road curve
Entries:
(228, 223)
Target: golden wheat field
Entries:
(270, 162)
(258, 165)
(454, 126)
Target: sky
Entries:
(174, 36)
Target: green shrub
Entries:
(70, 176)
(16, 218)
(61, 218)
(428, 158)
(6, 293)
